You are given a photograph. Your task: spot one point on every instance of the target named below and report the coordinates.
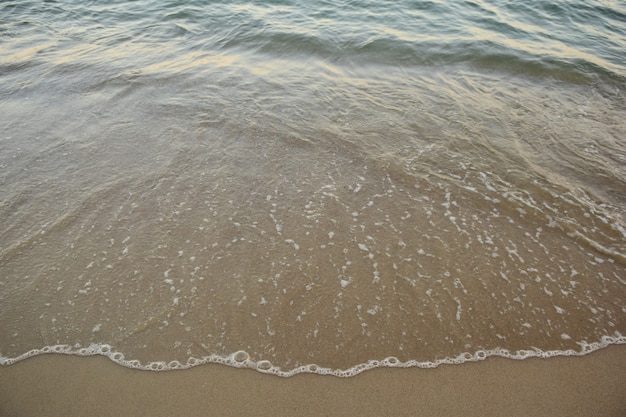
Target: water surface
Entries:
(320, 187)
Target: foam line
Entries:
(241, 359)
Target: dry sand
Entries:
(59, 385)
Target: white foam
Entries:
(292, 243)
(241, 359)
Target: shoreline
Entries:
(56, 384)
(241, 360)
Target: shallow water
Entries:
(275, 185)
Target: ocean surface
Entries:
(319, 186)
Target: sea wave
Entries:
(572, 42)
(319, 182)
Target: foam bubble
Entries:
(264, 365)
(390, 361)
(240, 356)
(157, 366)
(175, 365)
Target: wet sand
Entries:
(59, 385)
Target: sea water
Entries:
(311, 186)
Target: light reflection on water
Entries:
(307, 195)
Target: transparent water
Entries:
(322, 187)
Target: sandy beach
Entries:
(58, 385)
(283, 184)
